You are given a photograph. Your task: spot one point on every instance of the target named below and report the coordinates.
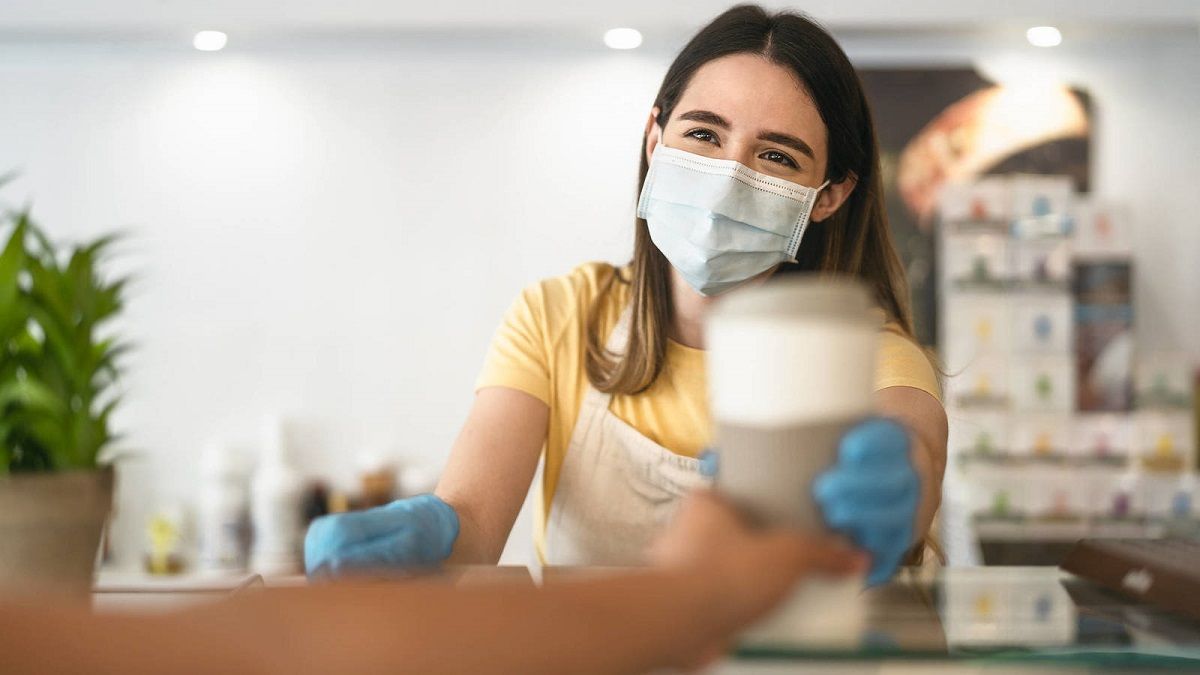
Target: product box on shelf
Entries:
(1102, 436)
(1101, 230)
(1043, 436)
(980, 434)
(1043, 383)
(981, 383)
(977, 257)
(1043, 324)
(1041, 262)
(1117, 494)
(977, 324)
(985, 200)
(1040, 201)
(999, 492)
(1057, 493)
(1163, 380)
(1164, 439)
(1103, 335)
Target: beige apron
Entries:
(616, 488)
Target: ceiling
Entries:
(83, 17)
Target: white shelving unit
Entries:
(1027, 465)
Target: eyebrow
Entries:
(710, 117)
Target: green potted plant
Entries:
(58, 369)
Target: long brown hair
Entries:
(854, 241)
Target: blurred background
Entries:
(328, 206)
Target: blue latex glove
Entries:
(709, 464)
(414, 532)
(871, 493)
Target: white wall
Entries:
(333, 237)
(333, 234)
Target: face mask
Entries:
(719, 222)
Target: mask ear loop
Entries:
(816, 195)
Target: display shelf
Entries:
(1047, 444)
(982, 402)
(995, 226)
(1062, 459)
(1067, 529)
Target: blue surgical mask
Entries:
(719, 222)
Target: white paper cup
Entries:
(791, 367)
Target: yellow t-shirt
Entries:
(540, 349)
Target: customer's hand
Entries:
(753, 569)
(415, 532)
(871, 493)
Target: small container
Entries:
(223, 510)
(1123, 497)
(1183, 499)
(376, 479)
(166, 535)
(276, 507)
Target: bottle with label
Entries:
(276, 506)
(223, 510)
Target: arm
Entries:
(469, 518)
(713, 577)
(885, 486)
(925, 420)
(491, 466)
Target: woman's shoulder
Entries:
(576, 291)
(590, 278)
(564, 302)
(902, 361)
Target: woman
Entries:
(768, 161)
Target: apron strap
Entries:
(617, 341)
(619, 337)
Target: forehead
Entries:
(754, 94)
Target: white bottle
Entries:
(275, 506)
(1182, 500)
(223, 510)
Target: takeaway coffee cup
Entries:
(791, 367)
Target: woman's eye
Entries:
(703, 135)
(778, 157)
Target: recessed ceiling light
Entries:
(623, 38)
(210, 40)
(1044, 36)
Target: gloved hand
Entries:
(871, 493)
(415, 532)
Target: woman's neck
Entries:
(687, 324)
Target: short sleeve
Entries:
(901, 363)
(518, 356)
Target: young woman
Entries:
(766, 162)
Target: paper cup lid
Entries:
(794, 295)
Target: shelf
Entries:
(1000, 226)
(1168, 405)
(982, 403)
(1010, 287)
(1041, 529)
(1049, 459)
(1052, 227)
